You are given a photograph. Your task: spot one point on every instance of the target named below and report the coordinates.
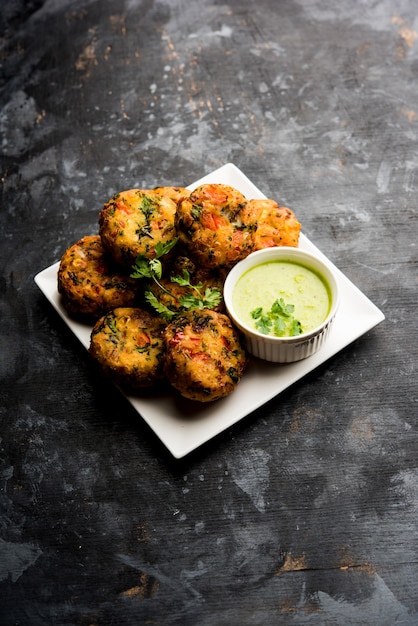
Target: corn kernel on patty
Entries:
(204, 358)
(89, 282)
(133, 222)
(128, 346)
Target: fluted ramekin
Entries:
(283, 349)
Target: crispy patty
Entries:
(89, 282)
(204, 358)
(210, 225)
(276, 225)
(133, 222)
(128, 346)
(219, 227)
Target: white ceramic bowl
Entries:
(283, 349)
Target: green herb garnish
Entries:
(195, 298)
(152, 268)
(279, 321)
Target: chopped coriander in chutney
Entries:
(292, 284)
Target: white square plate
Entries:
(183, 425)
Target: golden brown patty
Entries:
(276, 225)
(89, 282)
(204, 357)
(133, 222)
(128, 345)
(210, 225)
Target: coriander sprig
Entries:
(279, 321)
(152, 268)
(195, 298)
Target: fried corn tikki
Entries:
(128, 346)
(204, 358)
(133, 222)
(90, 283)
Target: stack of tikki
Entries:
(151, 282)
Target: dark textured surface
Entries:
(306, 511)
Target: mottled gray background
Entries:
(306, 511)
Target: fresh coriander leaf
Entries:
(295, 328)
(164, 248)
(153, 268)
(195, 298)
(156, 268)
(158, 307)
(279, 307)
(150, 268)
(141, 268)
(183, 281)
(279, 326)
(189, 301)
(263, 324)
(257, 313)
(212, 297)
(279, 321)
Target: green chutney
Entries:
(295, 283)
